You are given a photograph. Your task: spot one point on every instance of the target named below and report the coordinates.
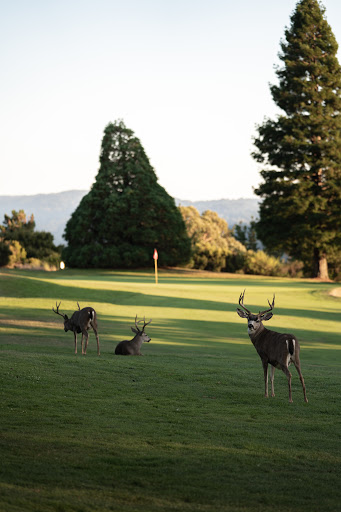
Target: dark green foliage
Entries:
(127, 213)
(240, 233)
(5, 253)
(235, 262)
(246, 234)
(301, 190)
(37, 244)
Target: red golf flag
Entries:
(155, 255)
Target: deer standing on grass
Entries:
(133, 347)
(80, 322)
(280, 350)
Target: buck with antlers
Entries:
(133, 347)
(80, 322)
(279, 350)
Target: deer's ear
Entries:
(134, 330)
(66, 317)
(241, 313)
(267, 316)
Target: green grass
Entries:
(184, 428)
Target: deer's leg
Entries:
(265, 368)
(298, 368)
(75, 336)
(85, 335)
(272, 380)
(97, 339)
(288, 374)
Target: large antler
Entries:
(57, 312)
(241, 303)
(144, 323)
(261, 313)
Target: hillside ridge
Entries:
(52, 211)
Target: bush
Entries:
(293, 269)
(5, 254)
(211, 240)
(209, 257)
(337, 278)
(235, 262)
(21, 245)
(37, 264)
(262, 264)
(18, 254)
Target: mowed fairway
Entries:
(186, 427)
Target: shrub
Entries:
(18, 254)
(235, 262)
(293, 269)
(262, 264)
(5, 254)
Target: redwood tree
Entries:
(127, 213)
(301, 148)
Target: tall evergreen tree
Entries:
(127, 213)
(301, 149)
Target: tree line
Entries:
(21, 245)
(127, 213)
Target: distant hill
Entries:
(232, 210)
(52, 211)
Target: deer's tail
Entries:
(291, 346)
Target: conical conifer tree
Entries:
(301, 149)
(127, 213)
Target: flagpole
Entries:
(155, 256)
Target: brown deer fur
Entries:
(274, 348)
(133, 347)
(80, 322)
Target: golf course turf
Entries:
(186, 427)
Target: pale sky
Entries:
(190, 78)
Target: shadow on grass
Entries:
(32, 287)
(171, 331)
(179, 331)
(167, 276)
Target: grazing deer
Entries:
(80, 322)
(133, 347)
(273, 347)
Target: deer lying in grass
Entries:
(133, 347)
(80, 322)
(273, 348)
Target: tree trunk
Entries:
(320, 265)
(323, 268)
